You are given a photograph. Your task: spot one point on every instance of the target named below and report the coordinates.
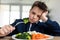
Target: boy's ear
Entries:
(46, 12)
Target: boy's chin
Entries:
(32, 22)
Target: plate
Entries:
(13, 37)
(49, 37)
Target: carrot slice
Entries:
(39, 36)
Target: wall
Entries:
(54, 6)
(18, 1)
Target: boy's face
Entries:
(34, 14)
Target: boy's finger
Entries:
(12, 28)
(2, 32)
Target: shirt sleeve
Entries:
(13, 24)
(16, 21)
(54, 27)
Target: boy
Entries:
(37, 12)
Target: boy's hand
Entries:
(5, 30)
(43, 17)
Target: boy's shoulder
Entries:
(19, 19)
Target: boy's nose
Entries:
(34, 16)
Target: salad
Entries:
(32, 36)
(23, 35)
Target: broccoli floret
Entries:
(25, 20)
(18, 35)
(23, 35)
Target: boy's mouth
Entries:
(32, 20)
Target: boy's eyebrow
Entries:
(33, 12)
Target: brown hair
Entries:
(40, 5)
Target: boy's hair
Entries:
(40, 5)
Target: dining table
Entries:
(10, 38)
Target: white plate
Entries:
(50, 38)
(13, 37)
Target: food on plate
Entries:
(23, 35)
(39, 36)
(32, 35)
(26, 20)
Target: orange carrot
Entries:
(39, 36)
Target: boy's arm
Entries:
(53, 26)
(17, 21)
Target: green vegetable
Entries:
(28, 37)
(18, 35)
(26, 20)
(23, 35)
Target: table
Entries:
(6, 38)
(56, 38)
(9, 38)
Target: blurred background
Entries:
(16, 9)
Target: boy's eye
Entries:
(33, 13)
(38, 16)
